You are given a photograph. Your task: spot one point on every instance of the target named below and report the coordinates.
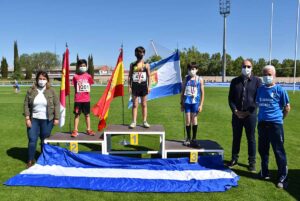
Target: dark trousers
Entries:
(39, 128)
(249, 123)
(273, 133)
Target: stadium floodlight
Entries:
(225, 11)
(224, 7)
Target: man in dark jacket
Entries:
(242, 102)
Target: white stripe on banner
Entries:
(59, 168)
(169, 74)
(56, 170)
(165, 78)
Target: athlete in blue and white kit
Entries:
(273, 102)
(192, 98)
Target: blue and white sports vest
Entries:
(192, 93)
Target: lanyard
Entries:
(193, 87)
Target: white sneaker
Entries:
(146, 125)
(132, 125)
(187, 142)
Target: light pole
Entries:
(271, 33)
(296, 46)
(225, 11)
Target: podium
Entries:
(205, 146)
(125, 130)
(83, 138)
(165, 146)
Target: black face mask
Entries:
(139, 57)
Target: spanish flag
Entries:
(64, 87)
(114, 88)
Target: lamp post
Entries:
(224, 11)
(271, 33)
(296, 47)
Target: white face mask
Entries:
(42, 83)
(193, 72)
(246, 71)
(82, 69)
(268, 79)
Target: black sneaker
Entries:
(232, 163)
(264, 177)
(251, 167)
(195, 144)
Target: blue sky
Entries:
(99, 27)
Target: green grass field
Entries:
(215, 124)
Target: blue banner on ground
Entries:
(59, 168)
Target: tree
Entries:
(73, 63)
(4, 68)
(287, 68)
(153, 58)
(91, 66)
(27, 63)
(229, 66)
(45, 61)
(193, 55)
(17, 68)
(258, 66)
(297, 69)
(237, 66)
(203, 63)
(215, 65)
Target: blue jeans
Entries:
(39, 128)
(249, 123)
(273, 133)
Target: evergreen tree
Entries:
(4, 68)
(77, 58)
(27, 64)
(91, 66)
(258, 66)
(237, 66)
(287, 68)
(17, 67)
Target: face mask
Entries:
(246, 71)
(139, 56)
(192, 72)
(268, 79)
(42, 83)
(82, 69)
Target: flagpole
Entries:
(69, 103)
(183, 125)
(123, 112)
(123, 142)
(69, 114)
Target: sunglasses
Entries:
(246, 66)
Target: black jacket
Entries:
(242, 93)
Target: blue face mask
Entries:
(268, 79)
